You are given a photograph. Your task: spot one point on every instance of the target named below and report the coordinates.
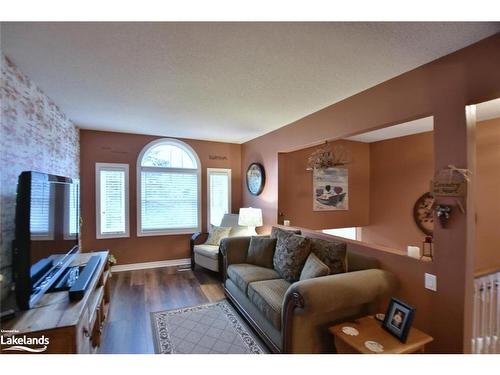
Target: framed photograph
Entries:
(398, 319)
(330, 189)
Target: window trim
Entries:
(111, 167)
(226, 171)
(140, 168)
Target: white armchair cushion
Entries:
(209, 251)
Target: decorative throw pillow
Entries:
(332, 253)
(290, 255)
(261, 251)
(216, 234)
(276, 230)
(314, 268)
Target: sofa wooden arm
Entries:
(311, 303)
(196, 239)
(234, 250)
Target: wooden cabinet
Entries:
(71, 327)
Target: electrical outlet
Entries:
(431, 282)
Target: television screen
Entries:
(47, 230)
(54, 217)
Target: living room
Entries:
(178, 211)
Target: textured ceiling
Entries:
(218, 81)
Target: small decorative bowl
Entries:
(374, 346)
(350, 331)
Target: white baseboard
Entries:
(147, 265)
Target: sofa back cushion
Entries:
(290, 255)
(357, 261)
(331, 253)
(261, 251)
(276, 230)
(314, 268)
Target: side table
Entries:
(371, 329)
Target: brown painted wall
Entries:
(441, 88)
(400, 171)
(487, 253)
(109, 147)
(295, 189)
(405, 177)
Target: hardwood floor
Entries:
(135, 294)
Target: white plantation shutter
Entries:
(168, 189)
(169, 200)
(41, 217)
(219, 194)
(74, 208)
(112, 202)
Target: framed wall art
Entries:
(330, 189)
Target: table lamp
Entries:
(251, 218)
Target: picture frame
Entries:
(330, 189)
(398, 319)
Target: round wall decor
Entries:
(423, 213)
(256, 178)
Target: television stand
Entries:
(70, 326)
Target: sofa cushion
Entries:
(290, 255)
(332, 253)
(276, 230)
(268, 296)
(261, 251)
(216, 234)
(244, 274)
(210, 251)
(313, 268)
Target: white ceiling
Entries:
(408, 128)
(218, 81)
(484, 111)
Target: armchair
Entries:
(208, 256)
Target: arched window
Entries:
(168, 189)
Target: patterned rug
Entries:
(204, 329)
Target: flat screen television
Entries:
(47, 232)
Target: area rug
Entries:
(213, 328)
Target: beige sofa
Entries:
(293, 318)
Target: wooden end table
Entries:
(371, 329)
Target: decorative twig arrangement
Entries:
(328, 156)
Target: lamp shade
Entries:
(250, 217)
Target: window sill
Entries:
(111, 236)
(168, 232)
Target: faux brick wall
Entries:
(34, 135)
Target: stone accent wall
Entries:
(34, 135)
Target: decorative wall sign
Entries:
(217, 157)
(330, 189)
(256, 178)
(450, 182)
